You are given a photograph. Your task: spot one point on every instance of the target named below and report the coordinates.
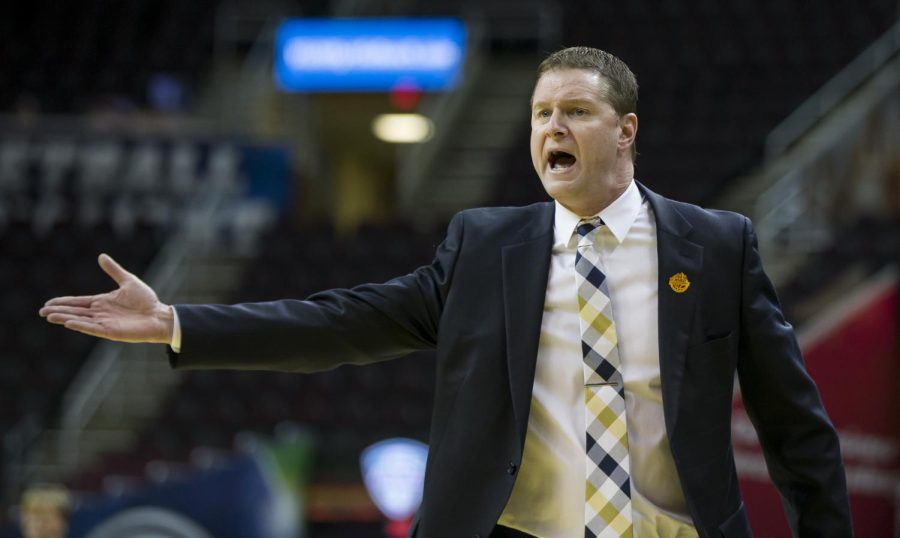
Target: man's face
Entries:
(580, 147)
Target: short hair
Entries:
(52, 495)
(621, 90)
(622, 86)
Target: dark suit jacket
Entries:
(480, 305)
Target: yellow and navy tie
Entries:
(607, 510)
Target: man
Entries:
(586, 348)
(45, 512)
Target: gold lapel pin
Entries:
(679, 282)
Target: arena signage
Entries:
(369, 55)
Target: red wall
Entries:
(854, 357)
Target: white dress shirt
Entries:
(547, 500)
(175, 344)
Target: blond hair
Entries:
(52, 495)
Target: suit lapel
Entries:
(526, 264)
(677, 254)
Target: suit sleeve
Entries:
(799, 442)
(368, 323)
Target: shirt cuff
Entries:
(175, 344)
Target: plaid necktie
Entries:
(607, 510)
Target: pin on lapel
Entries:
(679, 282)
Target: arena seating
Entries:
(40, 361)
(859, 252)
(715, 78)
(72, 57)
(66, 196)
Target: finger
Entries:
(113, 269)
(63, 309)
(87, 327)
(62, 319)
(83, 300)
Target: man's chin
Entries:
(567, 198)
(560, 187)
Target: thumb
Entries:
(113, 269)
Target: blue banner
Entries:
(317, 55)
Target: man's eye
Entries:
(579, 112)
(543, 113)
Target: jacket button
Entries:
(512, 468)
(477, 536)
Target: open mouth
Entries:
(560, 160)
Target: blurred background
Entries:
(233, 151)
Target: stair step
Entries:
(133, 397)
(465, 168)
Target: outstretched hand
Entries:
(132, 313)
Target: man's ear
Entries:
(628, 126)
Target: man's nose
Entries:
(556, 127)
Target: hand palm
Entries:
(131, 313)
(126, 313)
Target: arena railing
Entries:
(833, 93)
(99, 383)
(827, 161)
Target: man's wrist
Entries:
(166, 316)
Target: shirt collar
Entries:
(618, 217)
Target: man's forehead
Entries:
(569, 85)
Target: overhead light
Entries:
(402, 128)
